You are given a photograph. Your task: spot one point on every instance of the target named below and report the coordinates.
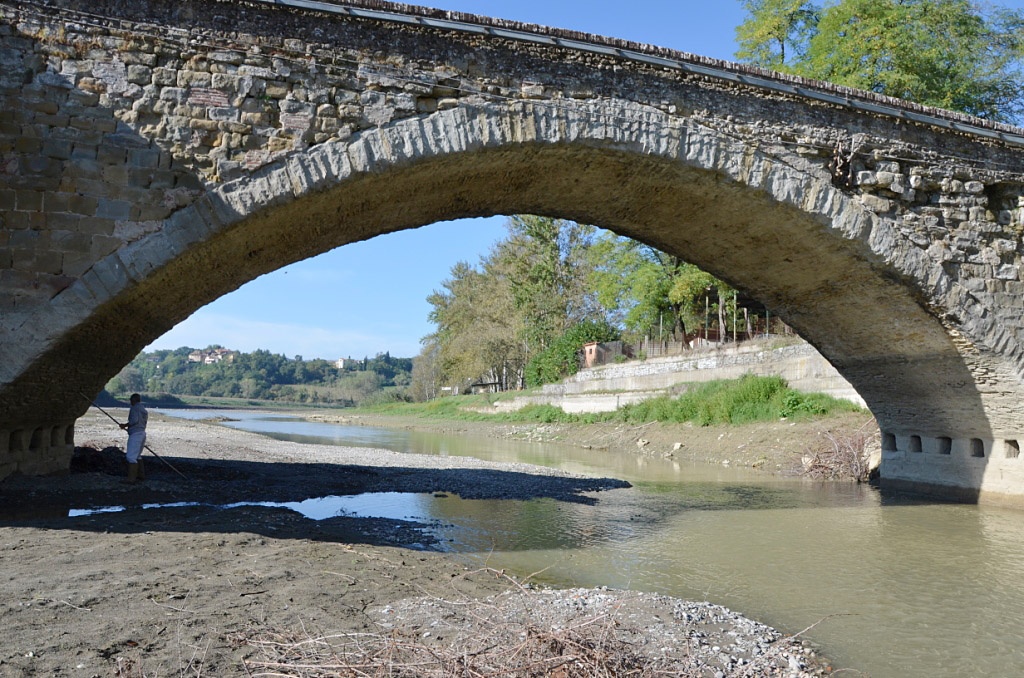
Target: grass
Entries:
(737, 401)
(748, 399)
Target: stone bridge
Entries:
(157, 154)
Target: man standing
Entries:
(138, 417)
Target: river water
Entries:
(892, 586)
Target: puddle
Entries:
(391, 505)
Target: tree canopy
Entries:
(521, 316)
(263, 375)
(953, 54)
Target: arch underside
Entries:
(872, 324)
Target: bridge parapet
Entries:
(156, 155)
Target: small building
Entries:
(601, 353)
(484, 387)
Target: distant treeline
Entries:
(262, 375)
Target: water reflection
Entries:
(391, 505)
(900, 587)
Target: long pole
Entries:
(150, 449)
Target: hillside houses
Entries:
(212, 356)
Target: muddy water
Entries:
(892, 587)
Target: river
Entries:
(892, 586)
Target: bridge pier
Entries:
(988, 470)
(37, 450)
(155, 156)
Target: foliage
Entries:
(953, 54)
(547, 274)
(262, 375)
(478, 331)
(646, 289)
(775, 32)
(732, 401)
(519, 316)
(739, 401)
(561, 359)
(490, 318)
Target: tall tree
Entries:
(524, 294)
(478, 331)
(650, 292)
(633, 282)
(425, 383)
(545, 261)
(776, 32)
(954, 54)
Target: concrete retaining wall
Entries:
(608, 387)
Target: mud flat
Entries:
(212, 586)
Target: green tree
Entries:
(478, 328)
(529, 288)
(635, 283)
(775, 32)
(953, 54)
(425, 378)
(545, 262)
(128, 380)
(562, 358)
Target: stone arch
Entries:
(784, 233)
(887, 234)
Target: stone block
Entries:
(113, 209)
(224, 114)
(59, 149)
(165, 77)
(141, 258)
(61, 221)
(876, 203)
(28, 145)
(70, 241)
(29, 200)
(1008, 272)
(50, 262)
(84, 151)
(24, 247)
(94, 287)
(111, 155)
(112, 274)
(140, 74)
(143, 157)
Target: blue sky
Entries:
(338, 304)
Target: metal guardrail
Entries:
(750, 79)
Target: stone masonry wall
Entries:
(800, 364)
(117, 125)
(155, 155)
(607, 387)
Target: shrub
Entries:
(561, 359)
(737, 401)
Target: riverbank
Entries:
(212, 586)
(777, 447)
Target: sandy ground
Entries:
(200, 590)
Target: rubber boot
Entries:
(133, 474)
(142, 470)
